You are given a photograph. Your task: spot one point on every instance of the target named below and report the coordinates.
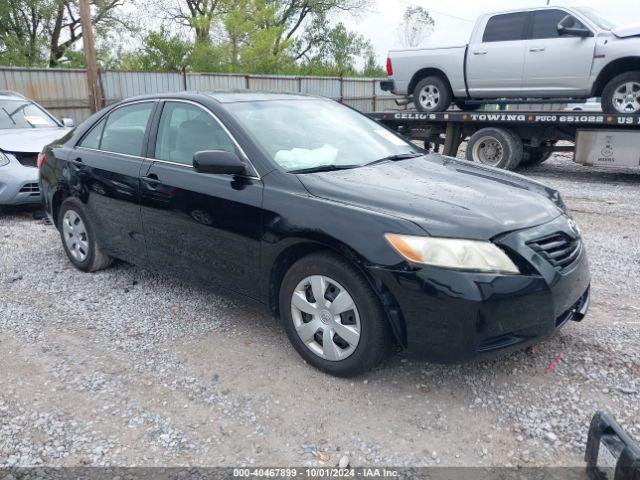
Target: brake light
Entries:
(42, 157)
(389, 67)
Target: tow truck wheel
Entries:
(535, 156)
(495, 147)
(432, 94)
(622, 94)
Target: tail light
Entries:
(42, 157)
(389, 67)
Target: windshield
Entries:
(23, 114)
(603, 23)
(307, 134)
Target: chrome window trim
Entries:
(235, 142)
(224, 128)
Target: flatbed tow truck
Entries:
(509, 139)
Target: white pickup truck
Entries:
(537, 53)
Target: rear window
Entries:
(506, 27)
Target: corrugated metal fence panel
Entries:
(273, 83)
(208, 82)
(119, 85)
(322, 86)
(63, 92)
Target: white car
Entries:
(25, 128)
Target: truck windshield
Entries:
(309, 134)
(599, 20)
(23, 114)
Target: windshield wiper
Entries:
(394, 158)
(324, 168)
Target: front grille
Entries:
(26, 159)
(33, 189)
(559, 249)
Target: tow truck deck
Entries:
(508, 139)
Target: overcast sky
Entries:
(456, 18)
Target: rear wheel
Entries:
(432, 94)
(535, 156)
(622, 94)
(496, 147)
(331, 315)
(78, 238)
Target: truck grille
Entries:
(559, 249)
(26, 159)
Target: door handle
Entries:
(480, 52)
(537, 49)
(152, 181)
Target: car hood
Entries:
(29, 140)
(444, 196)
(627, 31)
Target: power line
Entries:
(436, 11)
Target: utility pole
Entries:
(95, 92)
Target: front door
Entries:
(203, 226)
(556, 65)
(495, 61)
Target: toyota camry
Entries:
(354, 237)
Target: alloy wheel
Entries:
(325, 318)
(75, 236)
(626, 98)
(429, 97)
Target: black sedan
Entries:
(354, 237)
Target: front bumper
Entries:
(449, 316)
(18, 184)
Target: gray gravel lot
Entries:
(126, 367)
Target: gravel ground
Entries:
(125, 367)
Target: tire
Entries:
(438, 92)
(86, 256)
(613, 94)
(535, 156)
(366, 317)
(507, 141)
(468, 107)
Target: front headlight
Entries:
(3, 160)
(452, 253)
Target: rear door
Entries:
(202, 226)
(104, 174)
(554, 64)
(495, 58)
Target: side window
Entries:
(185, 129)
(505, 28)
(545, 23)
(124, 131)
(92, 139)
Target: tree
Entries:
(417, 25)
(340, 49)
(199, 15)
(161, 51)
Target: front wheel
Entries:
(331, 315)
(622, 94)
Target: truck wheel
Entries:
(535, 156)
(622, 94)
(468, 107)
(432, 94)
(495, 147)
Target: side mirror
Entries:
(219, 162)
(567, 27)
(68, 122)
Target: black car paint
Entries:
(244, 231)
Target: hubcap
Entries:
(75, 236)
(626, 98)
(488, 151)
(429, 97)
(325, 318)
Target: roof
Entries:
(11, 93)
(255, 96)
